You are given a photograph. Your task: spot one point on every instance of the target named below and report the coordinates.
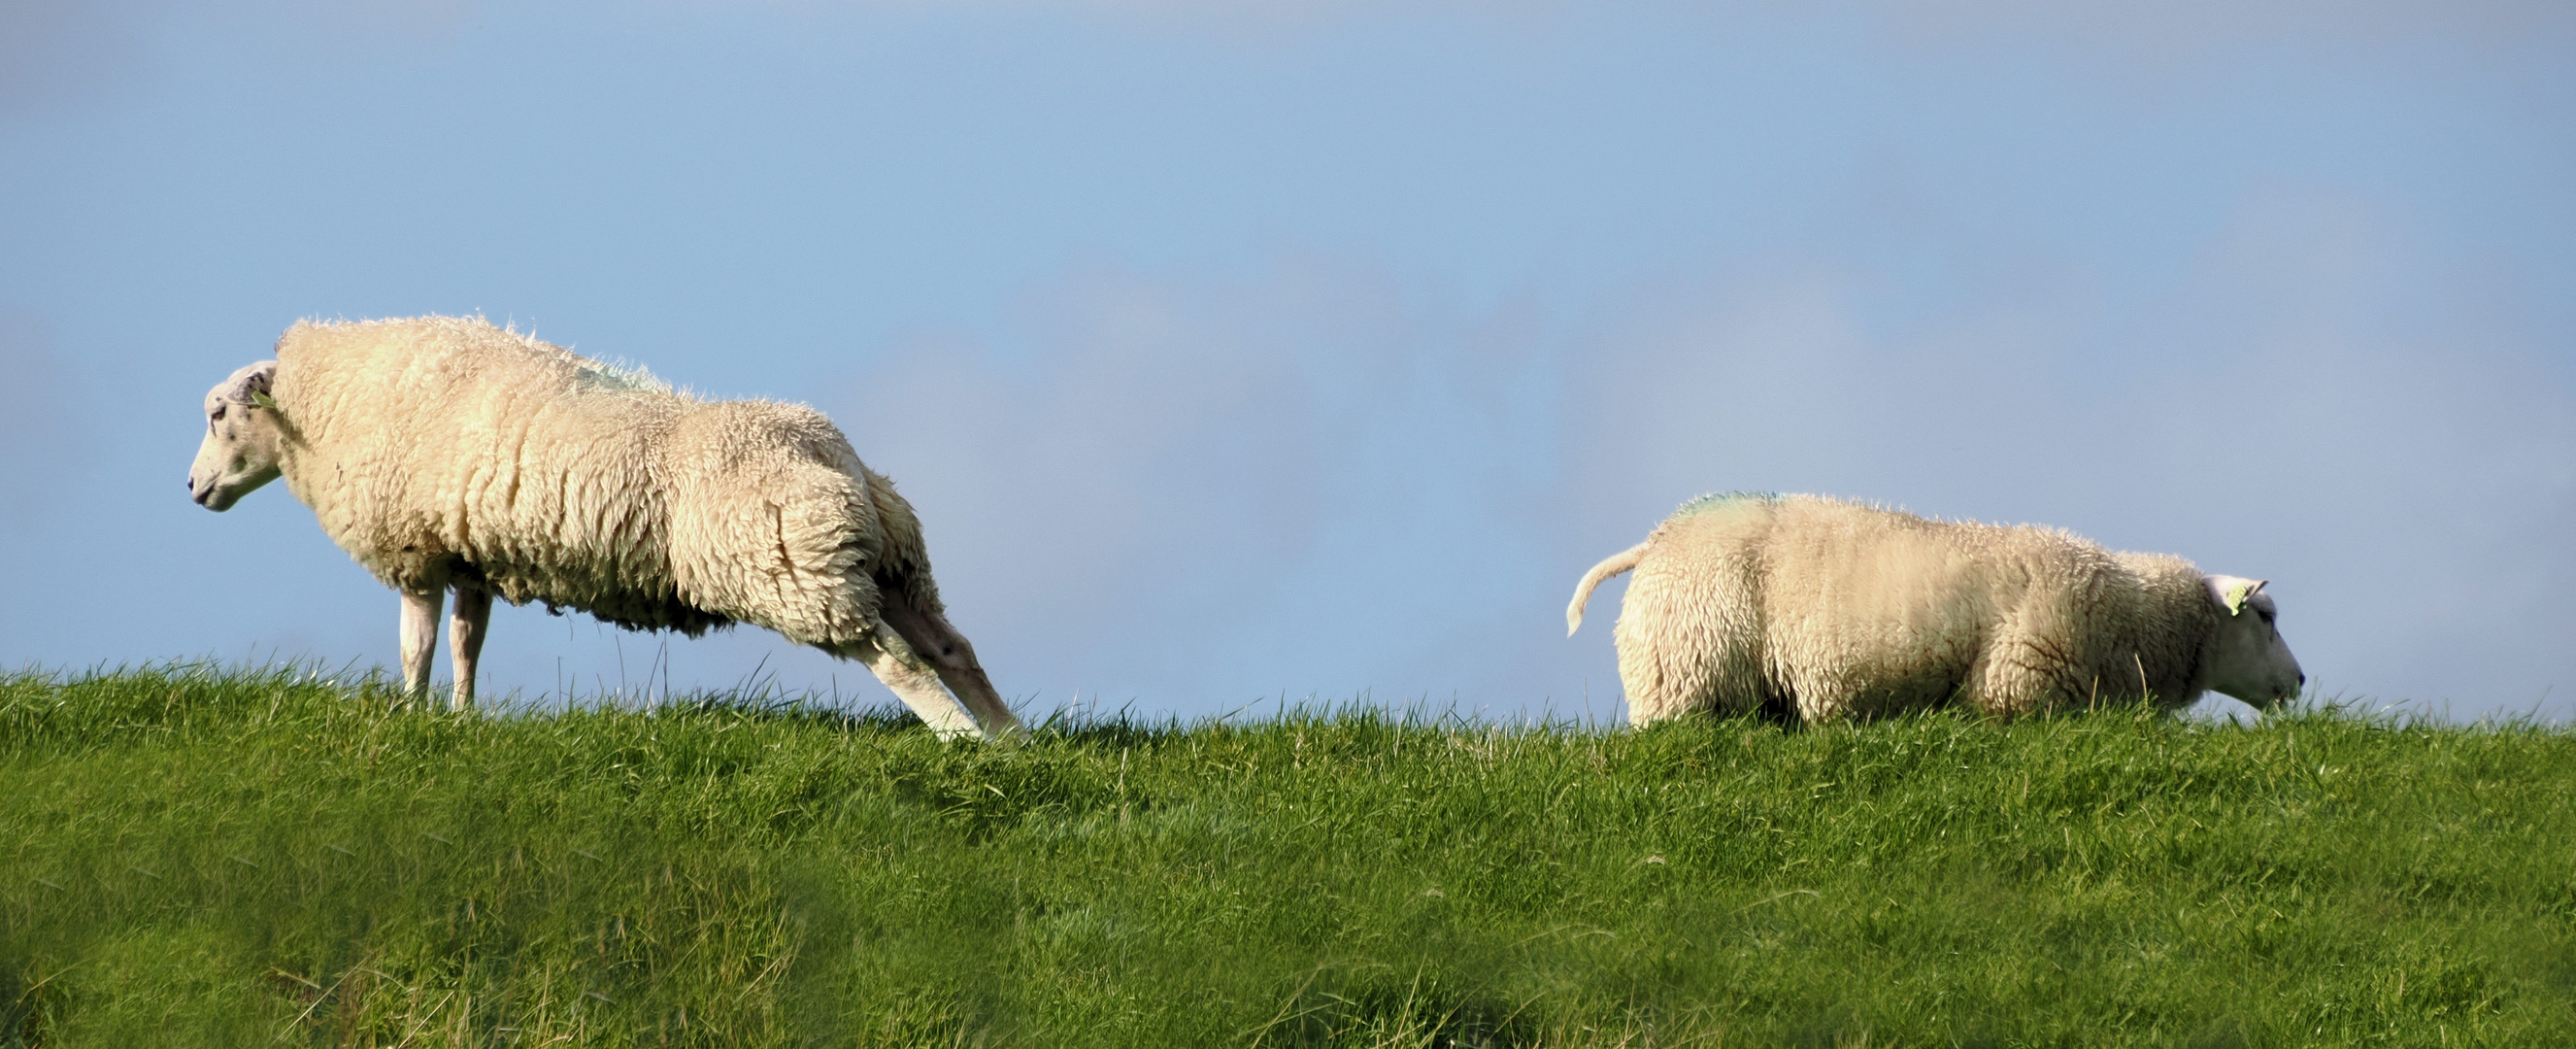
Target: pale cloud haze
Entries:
(2299, 424)
(1240, 352)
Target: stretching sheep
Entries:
(1832, 609)
(443, 452)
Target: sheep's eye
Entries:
(2267, 616)
(218, 413)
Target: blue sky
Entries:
(1241, 351)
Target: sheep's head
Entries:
(243, 435)
(2249, 660)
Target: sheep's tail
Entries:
(1613, 565)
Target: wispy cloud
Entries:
(2316, 407)
(1193, 492)
(1193, 489)
(1193, 484)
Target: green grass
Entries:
(190, 857)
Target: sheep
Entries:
(1818, 609)
(445, 453)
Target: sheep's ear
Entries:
(2232, 592)
(252, 384)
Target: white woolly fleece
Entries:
(437, 441)
(1831, 609)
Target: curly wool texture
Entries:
(1831, 609)
(444, 444)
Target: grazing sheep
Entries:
(442, 452)
(1831, 609)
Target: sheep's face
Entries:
(243, 433)
(2249, 660)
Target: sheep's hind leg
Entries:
(913, 681)
(953, 658)
(465, 630)
(420, 638)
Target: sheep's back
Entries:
(1876, 608)
(1856, 610)
(431, 443)
(1891, 611)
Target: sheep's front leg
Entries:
(465, 640)
(913, 681)
(420, 637)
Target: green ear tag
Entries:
(2236, 596)
(260, 398)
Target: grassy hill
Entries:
(194, 857)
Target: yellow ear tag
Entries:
(2236, 596)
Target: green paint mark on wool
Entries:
(618, 375)
(594, 373)
(1714, 500)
